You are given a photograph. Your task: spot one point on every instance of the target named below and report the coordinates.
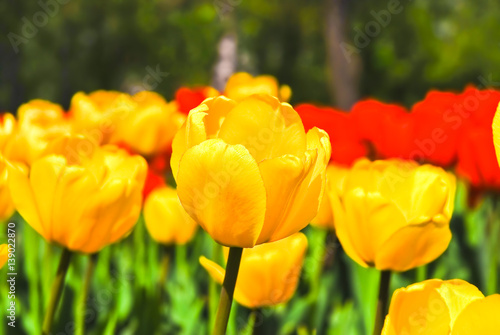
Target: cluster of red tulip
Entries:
(446, 129)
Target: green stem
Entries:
(82, 305)
(226, 294)
(57, 288)
(213, 286)
(421, 273)
(383, 299)
(251, 326)
(165, 265)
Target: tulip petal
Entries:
(166, 219)
(282, 177)
(431, 191)
(24, 199)
(214, 270)
(458, 294)
(190, 134)
(415, 312)
(269, 272)
(294, 188)
(496, 133)
(265, 127)
(44, 177)
(428, 241)
(218, 108)
(479, 317)
(220, 186)
(74, 189)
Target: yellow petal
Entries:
(265, 127)
(428, 242)
(417, 312)
(421, 192)
(282, 177)
(324, 218)
(335, 177)
(73, 190)
(458, 294)
(191, 133)
(214, 270)
(114, 210)
(220, 187)
(269, 272)
(479, 317)
(496, 133)
(24, 199)
(428, 307)
(294, 188)
(44, 176)
(6, 204)
(166, 219)
(218, 108)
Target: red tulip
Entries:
(477, 161)
(189, 98)
(438, 122)
(347, 145)
(153, 181)
(388, 127)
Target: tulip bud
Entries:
(387, 206)
(247, 172)
(166, 219)
(268, 274)
(97, 114)
(150, 127)
(241, 85)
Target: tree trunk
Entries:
(343, 65)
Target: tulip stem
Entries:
(383, 299)
(56, 292)
(226, 294)
(80, 313)
(166, 252)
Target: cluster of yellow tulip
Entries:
(248, 173)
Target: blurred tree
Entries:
(67, 46)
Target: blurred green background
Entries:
(75, 45)
(328, 51)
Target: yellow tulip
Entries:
(80, 199)
(241, 85)
(150, 127)
(166, 219)
(394, 215)
(440, 307)
(39, 123)
(4, 254)
(335, 176)
(247, 172)
(97, 114)
(268, 274)
(479, 317)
